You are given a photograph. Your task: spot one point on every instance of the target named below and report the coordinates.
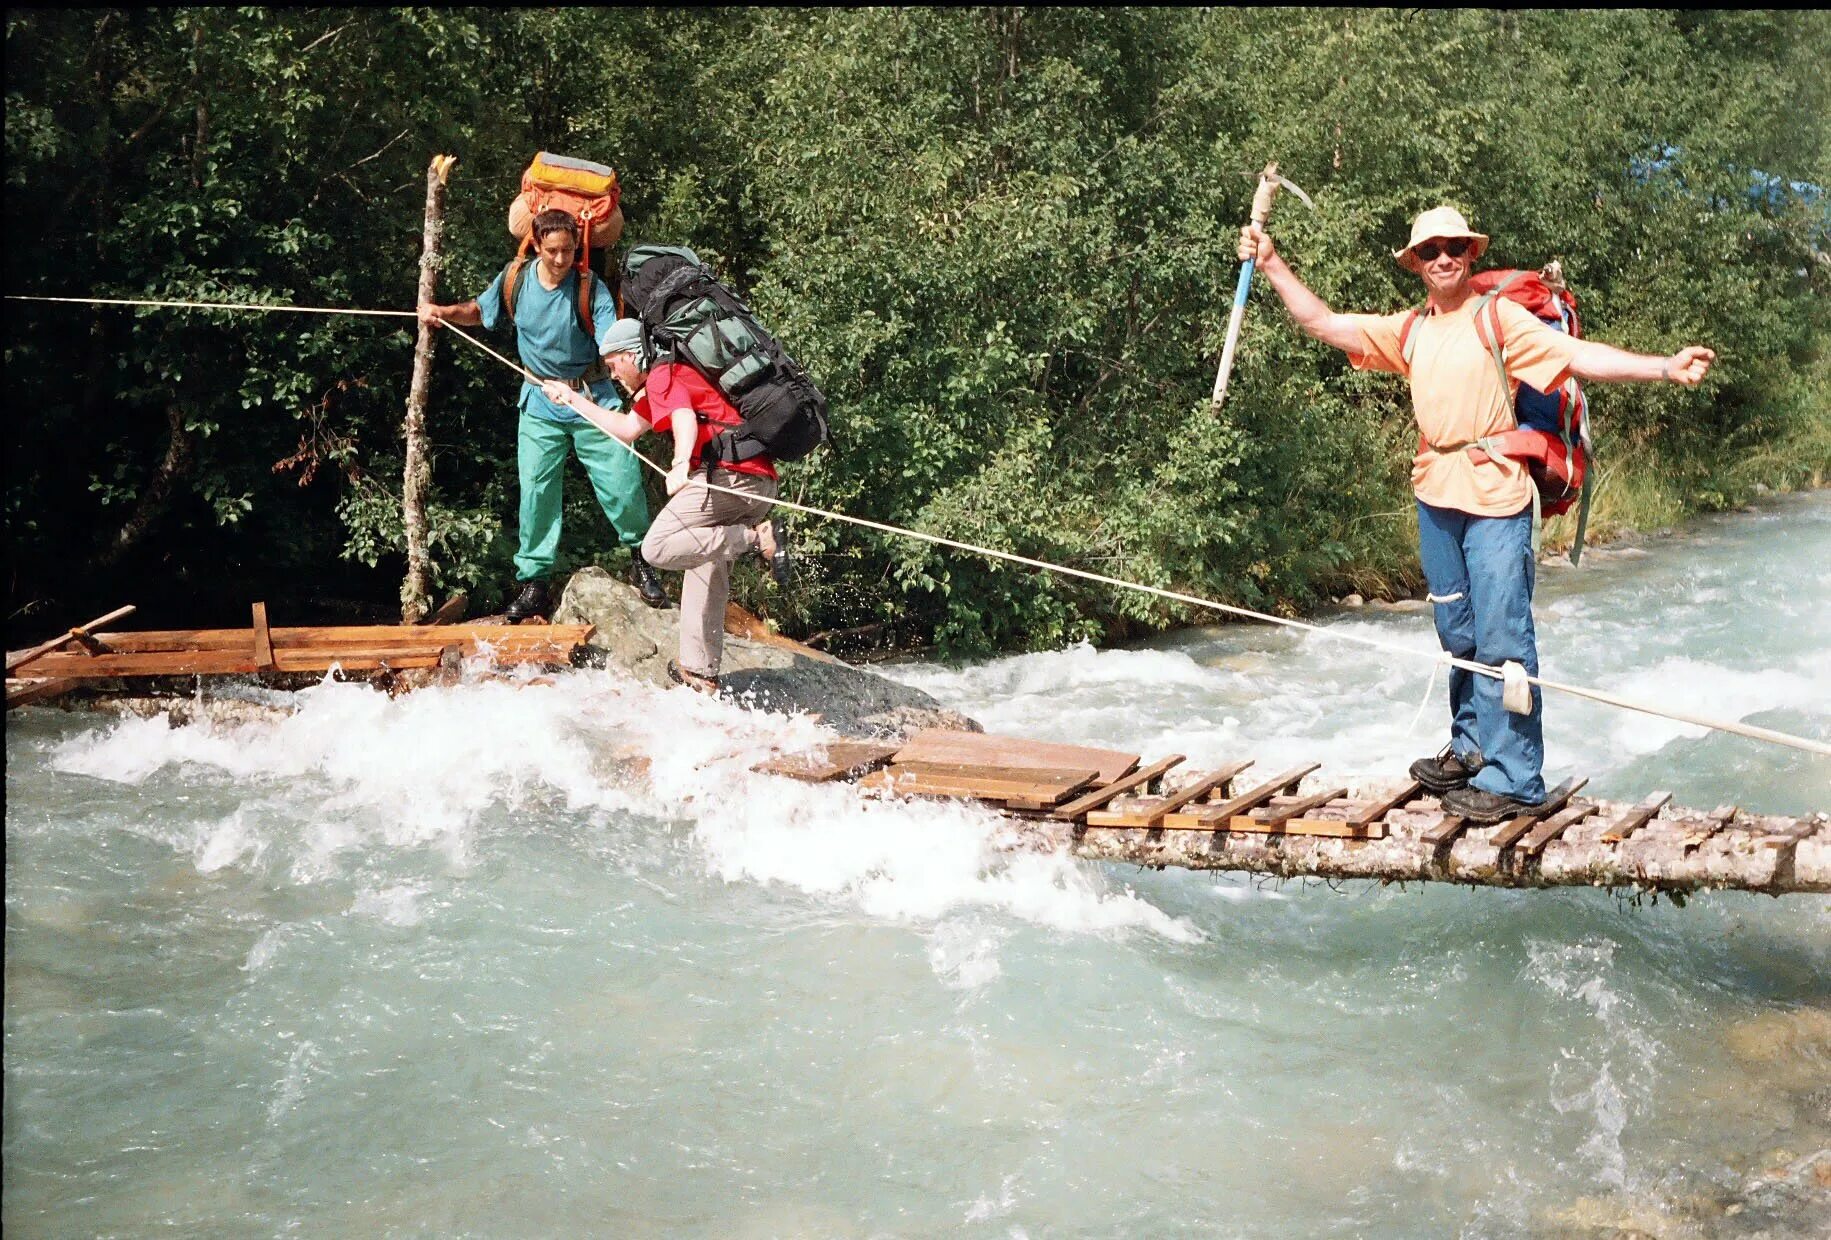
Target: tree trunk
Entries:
(155, 494)
(416, 590)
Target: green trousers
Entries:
(615, 475)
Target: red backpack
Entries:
(1551, 433)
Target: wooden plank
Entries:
(1635, 818)
(983, 749)
(1510, 831)
(1100, 796)
(838, 760)
(26, 690)
(1214, 817)
(79, 633)
(564, 636)
(1446, 830)
(1801, 829)
(419, 648)
(1373, 811)
(1150, 813)
(1048, 786)
(1713, 822)
(1277, 816)
(351, 660)
(263, 639)
(154, 663)
(1337, 828)
(1555, 826)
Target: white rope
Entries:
(212, 305)
(1438, 658)
(1430, 682)
(1480, 669)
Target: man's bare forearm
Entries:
(1311, 312)
(1604, 363)
(463, 313)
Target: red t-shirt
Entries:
(673, 385)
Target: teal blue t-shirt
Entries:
(550, 338)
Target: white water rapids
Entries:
(451, 964)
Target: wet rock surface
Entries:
(774, 674)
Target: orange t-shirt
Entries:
(1457, 397)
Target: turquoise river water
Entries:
(447, 964)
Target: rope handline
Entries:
(211, 305)
(1481, 669)
(1468, 665)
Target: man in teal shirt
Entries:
(551, 337)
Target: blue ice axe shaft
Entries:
(1261, 211)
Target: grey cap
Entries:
(622, 336)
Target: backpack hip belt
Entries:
(1489, 444)
(597, 372)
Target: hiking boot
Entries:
(534, 601)
(1447, 770)
(772, 546)
(692, 680)
(1481, 806)
(648, 585)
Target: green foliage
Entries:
(1003, 239)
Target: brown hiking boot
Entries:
(1446, 771)
(1481, 807)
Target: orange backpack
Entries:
(588, 192)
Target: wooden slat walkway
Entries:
(1104, 806)
(263, 648)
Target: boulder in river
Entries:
(760, 669)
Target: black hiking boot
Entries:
(648, 585)
(1446, 771)
(775, 557)
(1481, 806)
(534, 601)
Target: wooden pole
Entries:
(79, 633)
(1261, 211)
(416, 589)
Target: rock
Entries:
(1353, 600)
(773, 674)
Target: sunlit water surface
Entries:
(455, 964)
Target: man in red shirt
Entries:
(701, 531)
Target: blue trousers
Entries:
(1480, 571)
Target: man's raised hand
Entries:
(1689, 365)
(1255, 245)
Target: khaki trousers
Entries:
(700, 533)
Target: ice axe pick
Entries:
(1269, 184)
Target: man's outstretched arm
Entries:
(463, 313)
(1604, 363)
(1310, 311)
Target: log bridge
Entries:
(1105, 805)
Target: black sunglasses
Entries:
(1455, 247)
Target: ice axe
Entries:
(1269, 184)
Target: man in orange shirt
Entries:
(1474, 511)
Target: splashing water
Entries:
(514, 958)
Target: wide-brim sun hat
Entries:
(1439, 223)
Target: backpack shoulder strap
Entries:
(586, 287)
(1488, 309)
(1406, 344)
(511, 282)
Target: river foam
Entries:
(425, 770)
